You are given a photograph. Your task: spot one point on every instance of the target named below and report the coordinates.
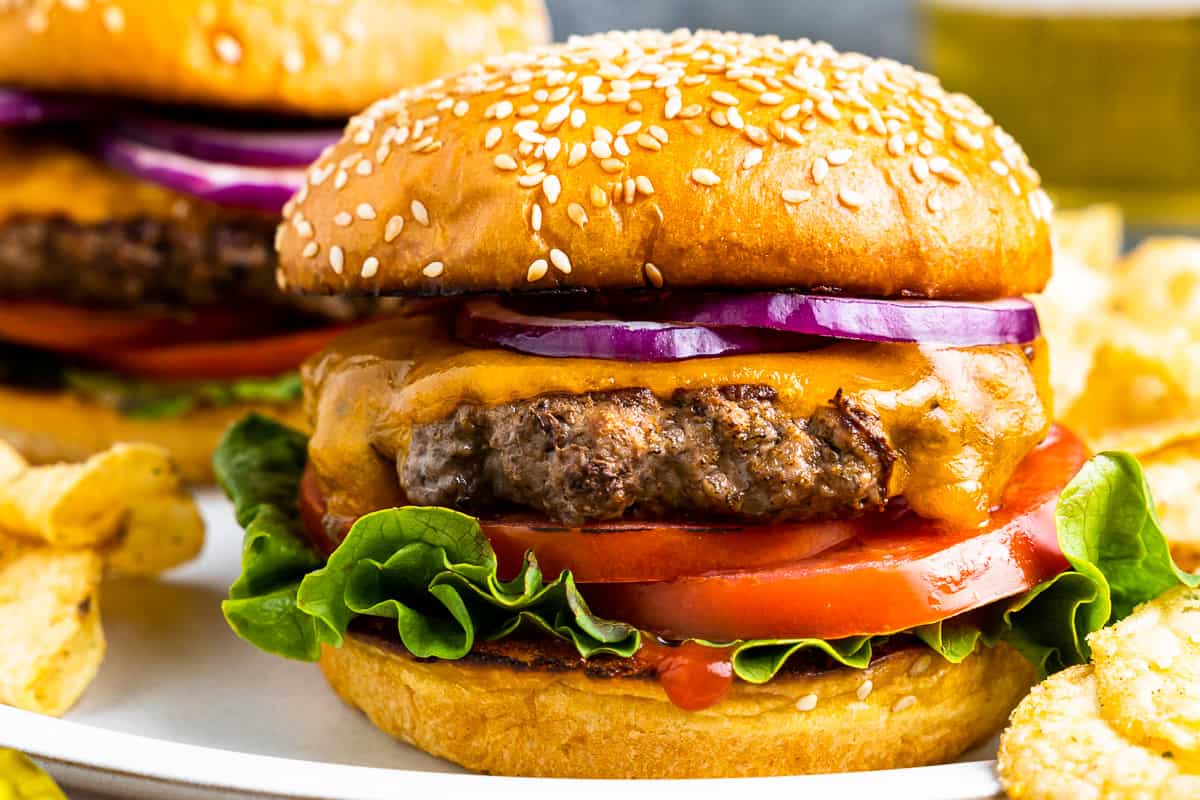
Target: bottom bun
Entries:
(535, 709)
(48, 427)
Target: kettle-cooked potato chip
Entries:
(1059, 747)
(51, 644)
(1147, 670)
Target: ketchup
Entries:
(693, 676)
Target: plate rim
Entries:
(187, 766)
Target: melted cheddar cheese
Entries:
(960, 419)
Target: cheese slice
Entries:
(961, 419)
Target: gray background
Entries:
(877, 27)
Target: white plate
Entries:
(184, 709)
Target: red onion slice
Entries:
(488, 322)
(30, 108)
(941, 322)
(231, 185)
(233, 146)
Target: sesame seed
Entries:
(864, 689)
(705, 177)
(724, 98)
(752, 158)
(967, 139)
(1014, 186)
(114, 21)
(938, 165)
(552, 148)
(433, 269)
(492, 138)
(579, 152)
(806, 703)
(552, 187)
(790, 113)
(343, 219)
(560, 261)
(673, 107)
(820, 169)
(851, 198)
(828, 110)
(612, 165)
(460, 109)
(621, 146)
(504, 109)
(535, 217)
(530, 180)
(577, 214)
(629, 187)
(527, 130)
(735, 119)
(921, 665)
(644, 185)
(578, 118)
(895, 145)
(629, 128)
(310, 250)
(340, 179)
(394, 227)
(920, 169)
(337, 259)
(658, 132)
(653, 275)
(1000, 168)
(601, 149)
(796, 196)
(556, 116)
(770, 98)
(925, 149)
(420, 213)
(365, 211)
(505, 162)
(370, 267)
(839, 157)
(537, 270)
(718, 118)
(908, 701)
(648, 142)
(934, 203)
(694, 110)
(330, 45)
(228, 48)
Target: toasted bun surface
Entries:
(318, 58)
(687, 160)
(523, 713)
(48, 427)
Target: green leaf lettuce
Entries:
(433, 572)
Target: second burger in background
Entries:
(737, 386)
(146, 151)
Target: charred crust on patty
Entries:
(729, 451)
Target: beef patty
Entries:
(129, 263)
(730, 451)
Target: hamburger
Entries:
(146, 150)
(723, 445)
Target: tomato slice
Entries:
(64, 328)
(253, 357)
(625, 552)
(907, 573)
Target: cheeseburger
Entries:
(725, 447)
(146, 150)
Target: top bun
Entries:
(327, 58)
(677, 159)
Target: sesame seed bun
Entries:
(525, 709)
(327, 58)
(642, 159)
(48, 427)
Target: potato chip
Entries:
(1093, 235)
(127, 501)
(1059, 747)
(1173, 473)
(1142, 392)
(1147, 669)
(51, 644)
(20, 779)
(1159, 285)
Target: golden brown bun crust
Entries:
(317, 58)
(494, 718)
(48, 427)
(877, 183)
